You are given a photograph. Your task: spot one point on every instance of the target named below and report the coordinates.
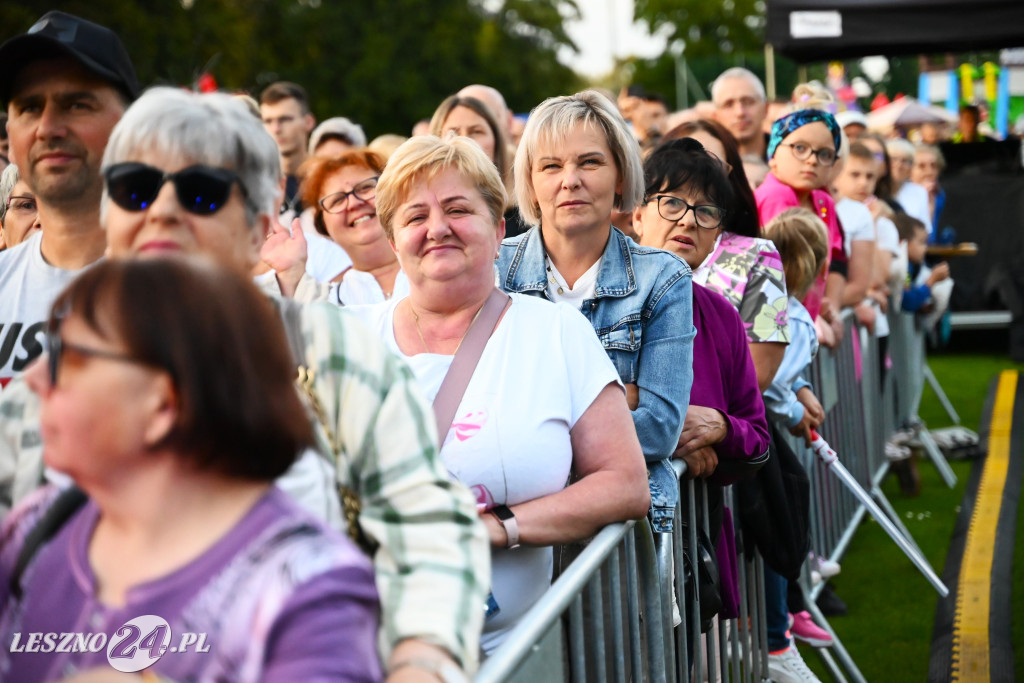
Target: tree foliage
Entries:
(726, 33)
(706, 28)
(385, 64)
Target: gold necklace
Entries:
(416, 322)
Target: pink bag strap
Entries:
(449, 396)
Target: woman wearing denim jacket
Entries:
(576, 163)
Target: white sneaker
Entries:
(902, 437)
(828, 568)
(896, 453)
(789, 667)
(822, 567)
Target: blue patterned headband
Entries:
(790, 122)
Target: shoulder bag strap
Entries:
(61, 509)
(449, 396)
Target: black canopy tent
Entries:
(819, 30)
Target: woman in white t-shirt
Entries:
(544, 399)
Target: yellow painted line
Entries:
(970, 623)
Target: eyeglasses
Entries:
(57, 346)
(365, 190)
(202, 190)
(707, 216)
(826, 155)
(22, 204)
(902, 161)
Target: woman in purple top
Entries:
(683, 212)
(167, 397)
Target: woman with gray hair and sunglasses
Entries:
(576, 163)
(197, 174)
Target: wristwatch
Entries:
(508, 520)
(446, 671)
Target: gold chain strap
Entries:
(351, 505)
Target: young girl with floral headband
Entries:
(802, 149)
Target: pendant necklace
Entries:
(416, 322)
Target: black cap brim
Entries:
(25, 49)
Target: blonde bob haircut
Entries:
(552, 121)
(425, 157)
(802, 241)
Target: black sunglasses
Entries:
(202, 190)
(57, 346)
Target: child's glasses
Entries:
(826, 155)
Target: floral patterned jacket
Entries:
(748, 272)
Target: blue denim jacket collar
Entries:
(527, 273)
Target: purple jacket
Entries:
(724, 377)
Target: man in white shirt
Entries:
(67, 84)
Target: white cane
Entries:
(831, 460)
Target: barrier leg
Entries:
(650, 589)
(682, 631)
(743, 624)
(618, 637)
(761, 622)
(837, 646)
(723, 640)
(830, 663)
(663, 544)
(576, 641)
(941, 464)
(597, 635)
(890, 512)
(633, 606)
(712, 658)
(943, 399)
(697, 665)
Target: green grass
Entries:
(888, 629)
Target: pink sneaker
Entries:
(803, 628)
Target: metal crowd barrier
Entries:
(609, 615)
(907, 340)
(862, 411)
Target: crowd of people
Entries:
(332, 402)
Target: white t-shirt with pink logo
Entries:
(540, 371)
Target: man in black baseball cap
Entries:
(66, 83)
(95, 47)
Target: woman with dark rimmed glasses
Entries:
(177, 445)
(204, 180)
(342, 193)
(684, 212)
(19, 211)
(719, 142)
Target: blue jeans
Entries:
(776, 589)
